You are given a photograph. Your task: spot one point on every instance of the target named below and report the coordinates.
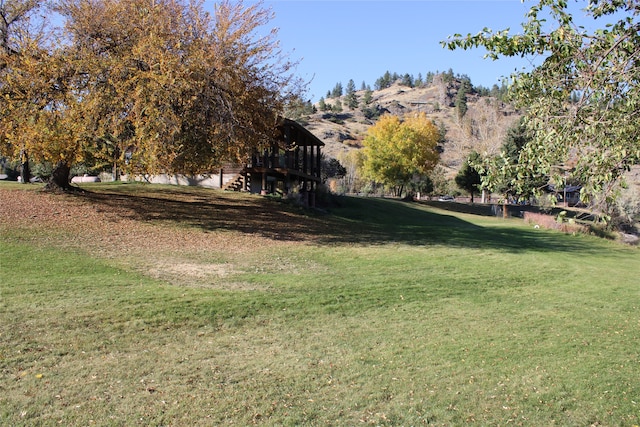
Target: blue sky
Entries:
(361, 39)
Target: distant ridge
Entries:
(482, 128)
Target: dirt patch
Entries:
(200, 270)
(202, 276)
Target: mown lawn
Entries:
(380, 313)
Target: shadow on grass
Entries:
(384, 221)
(351, 220)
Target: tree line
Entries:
(409, 80)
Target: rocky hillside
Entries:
(482, 128)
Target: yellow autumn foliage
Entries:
(149, 85)
(395, 149)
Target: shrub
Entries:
(626, 212)
(559, 223)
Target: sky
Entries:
(336, 41)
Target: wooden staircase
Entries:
(239, 182)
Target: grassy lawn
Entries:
(140, 305)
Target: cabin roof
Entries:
(301, 135)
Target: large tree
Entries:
(468, 177)
(395, 150)
(583, 101)
(155, 85)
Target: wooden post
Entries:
(263, 191)
(319, 161)
(304, 159)
(312, 163)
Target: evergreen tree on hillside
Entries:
(351, 99)
(322, 105)
(297, 108)
(429, 78)
(363, 86)
(461, 102)
(448, 76)
(466, 81)
(499, 92)
(407, 80)
(442, 129)
(337, 107)
(351, 87)
(384, 82)
(368, 97)
(481, 90)
(337, 90)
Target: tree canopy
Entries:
(583, 101)
(150, 85)
(396, 150)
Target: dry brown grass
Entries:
(553, 223)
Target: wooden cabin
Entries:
(292, 163)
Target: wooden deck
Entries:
(292, 162)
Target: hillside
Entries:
(483, 127)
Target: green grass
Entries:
(400, 315)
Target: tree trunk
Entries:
(25, 171)
(59, 180)
(115, 172)
(471, 196)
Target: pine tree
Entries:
(429, 78)
(352, 100)
(419, 82)
(461, 102)
(337, 107)
(468, 177)
(368, 97)
(337, 90)
(385, 81)
(407, 80)
(322, 104)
